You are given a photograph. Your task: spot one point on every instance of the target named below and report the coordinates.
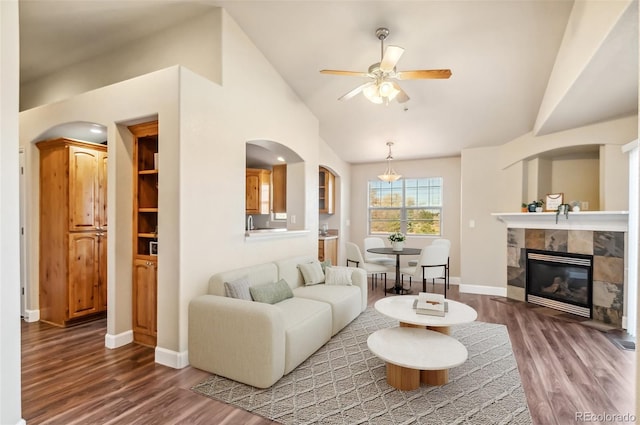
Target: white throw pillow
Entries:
(238, 288)
(312, 272)
(338, 275)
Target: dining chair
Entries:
(443, 241)
(432, 264)
(371, 257)
(354, 255)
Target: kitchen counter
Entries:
(262, 234)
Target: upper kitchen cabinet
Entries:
(327, 193)
(279, 181)
(258, 191)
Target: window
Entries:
(410, 206)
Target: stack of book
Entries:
(431, 304)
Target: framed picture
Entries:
(153, 248)
(553, 201)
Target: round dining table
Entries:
(398, 288)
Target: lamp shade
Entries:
(389, 174)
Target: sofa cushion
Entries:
(307, 327)
(271, 293)
(345, 301)
(312, 272)
(238, 288)
(337, 275)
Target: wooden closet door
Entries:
(101, 205)
(102, 272)
(83, 188)
(83, 273)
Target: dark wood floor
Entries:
(69, 377)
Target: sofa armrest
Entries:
(238, 339)
(359, 279)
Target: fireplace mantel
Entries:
(617, 221)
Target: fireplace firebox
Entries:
(560, 280)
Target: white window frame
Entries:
(404, 208)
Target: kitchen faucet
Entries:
(250, 222)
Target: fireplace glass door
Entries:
(560, 280)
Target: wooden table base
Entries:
(441, 329)
(406, 379)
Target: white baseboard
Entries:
(483, 290)
(31, 316)
(172, 358)
(115, 341)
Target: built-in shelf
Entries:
(148, 210)
(583, 220)
(148, 172)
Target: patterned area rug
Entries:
(344, 383)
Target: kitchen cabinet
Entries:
(145, 225)
(73, 231)
(279, 183)
(258, 191)
(328, 249)
(326, 191)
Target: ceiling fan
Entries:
(383, 86)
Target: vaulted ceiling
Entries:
(501, 54)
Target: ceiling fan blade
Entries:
(347, 73)
(402, 96)
(391, 57)
(355, 91)
(423, 73)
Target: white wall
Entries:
(492, 181)
(203, 131)
(589, 24)
(614, 179)
(216, 124)
(194, 43)
(10, 368)
(143, 98)
(486, 188)
(447, 168)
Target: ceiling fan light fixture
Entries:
(383, 92)
(389, 174)
(372, 93)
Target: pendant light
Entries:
(389, 174)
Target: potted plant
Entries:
(397, 241)
(536, 206)
(525, 207)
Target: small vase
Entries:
(397, 246)
(538, 209)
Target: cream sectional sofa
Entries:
(258, 343)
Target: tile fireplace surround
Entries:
(601, 234)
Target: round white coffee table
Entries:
(415, 356)
(400, 308)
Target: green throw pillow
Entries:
(271, 293)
